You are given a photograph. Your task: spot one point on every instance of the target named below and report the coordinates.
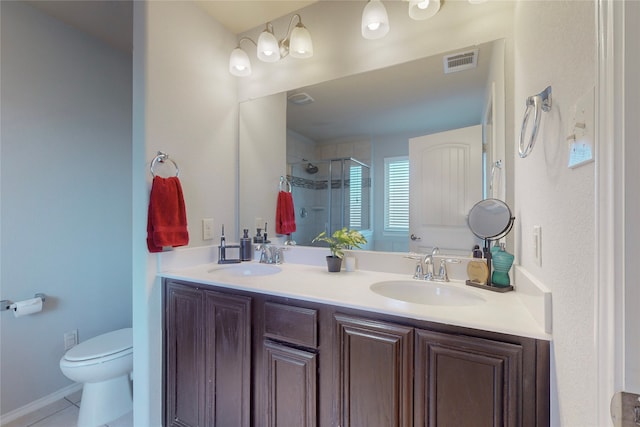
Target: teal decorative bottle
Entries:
(495, 248)
(502, 261)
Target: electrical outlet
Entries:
(70, 339)
(537, 244)
(207, 228)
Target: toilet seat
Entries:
(100, 349)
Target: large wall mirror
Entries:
(348, 145)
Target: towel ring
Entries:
(161, 158)
(535, 103)
(284, 183)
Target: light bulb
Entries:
(268, 50)
(375, 22)
(373, 26)
(300, 45)
(239, 64)
(423, 9)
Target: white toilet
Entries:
(103, 364)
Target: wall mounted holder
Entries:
(5, 304)
(536, 103)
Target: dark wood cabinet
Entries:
(464, 381)
(184, 349)
(290, 368)
(291, 386)
(375, 373)
(208, 358)
(240, 359)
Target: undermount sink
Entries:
(246, 269)
(429, 293)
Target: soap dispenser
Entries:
(245, 246)
(502, 261)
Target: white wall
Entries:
(555, 44)
(66, 195)
(261, 162)
(547, 50)
(632, 197)
(185, 104)
(340, 50)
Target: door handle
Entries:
(415, 238)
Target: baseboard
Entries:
(40, 403)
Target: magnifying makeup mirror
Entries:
(490, 219)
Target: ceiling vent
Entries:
(460, 61)
(300, 98)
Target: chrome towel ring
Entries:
(161, 158)
(537, 104)
(284, 185)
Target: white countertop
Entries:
(501, 312)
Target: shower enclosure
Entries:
(329, 195)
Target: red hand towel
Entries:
(167, 220)
(285, 214)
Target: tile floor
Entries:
(63, 413)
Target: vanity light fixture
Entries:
(423, 9)
(375, 21)
(296, 43)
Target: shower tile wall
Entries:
(310, 193)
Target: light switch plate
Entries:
(537, 244)
(207, 228)
(581, 134)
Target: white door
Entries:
(445, 181)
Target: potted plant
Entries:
(339, 241)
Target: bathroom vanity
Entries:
(298, 346)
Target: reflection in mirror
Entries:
(329, 195)
(366, 121)
(370, 118)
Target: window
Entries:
(355, 197)
(396, 194)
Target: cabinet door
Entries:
(184, 356)
(291, 386)
(466, 381)
(375, 373)
(228, 359)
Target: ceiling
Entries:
(339, 104)
(413, 98)
(240, 16)
(108, 20)
(112, 21)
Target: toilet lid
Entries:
(102, 345)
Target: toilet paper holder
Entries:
(5, 304)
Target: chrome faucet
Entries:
(442, 273)
(270, 254)
(428, 264)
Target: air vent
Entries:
(460, 61)
(301, 98)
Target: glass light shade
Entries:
(300, 44)
(268, 49)
(423, 9)
(239, 64)
(375, 21)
